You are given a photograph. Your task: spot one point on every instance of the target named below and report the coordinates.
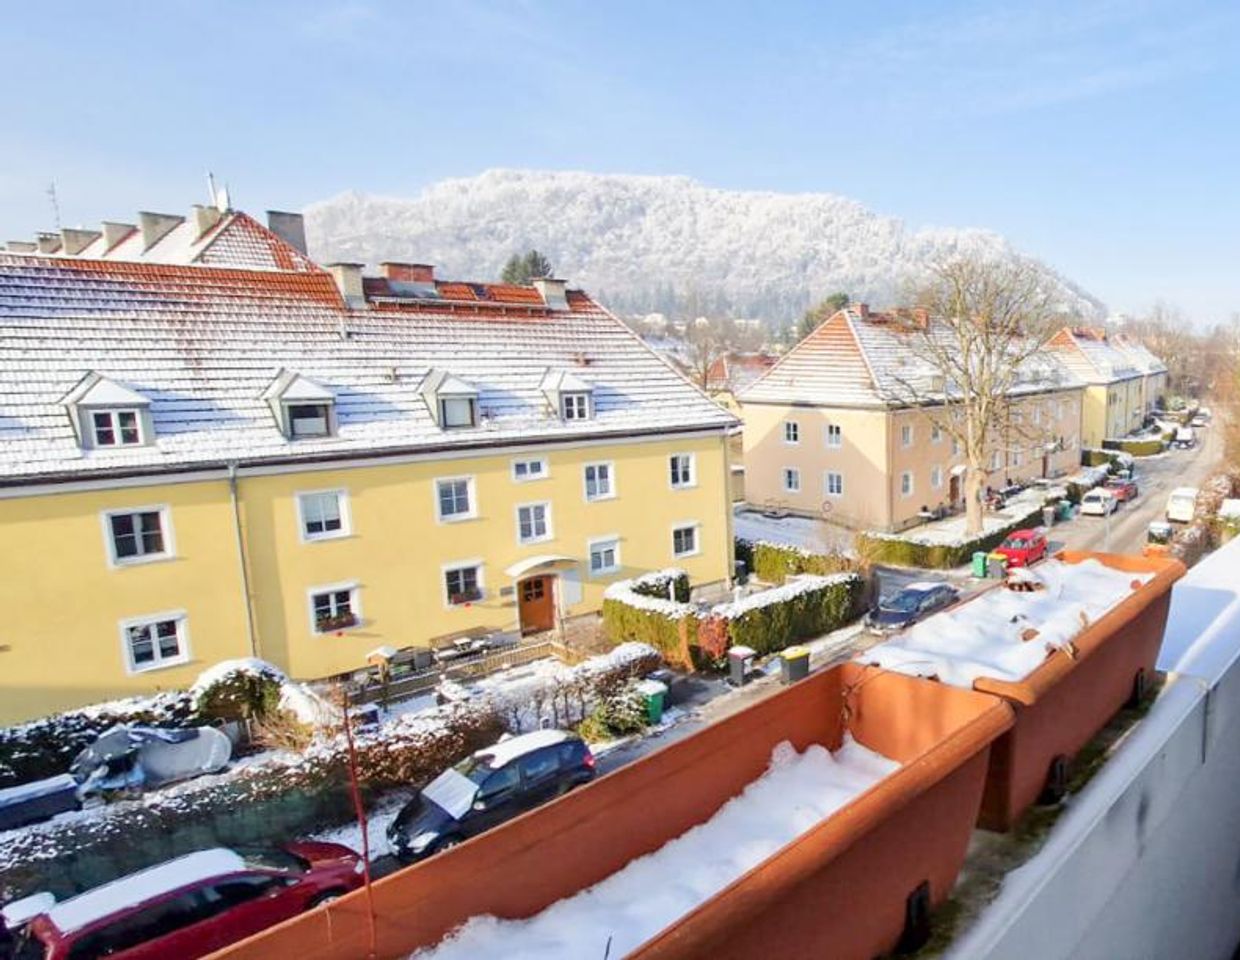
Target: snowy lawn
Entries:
(797, 792)
(816, 536)
(1007, 634)
(950, 532)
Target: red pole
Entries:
(360, 812)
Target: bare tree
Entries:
(704, 344)
(973, 340)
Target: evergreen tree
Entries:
(814, 316)
(523, 269)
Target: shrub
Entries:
(1147, 447)
(618, 714)
(660, 584)
(907, 552)
(244, 689)
(638, 610)
(769, 621)
(774, 562)
(1092, 457)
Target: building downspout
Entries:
(251, 635)
(729, 547)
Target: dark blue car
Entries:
(910, 604)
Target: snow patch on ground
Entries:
(797, 793)
(811, 535)
(985, 637)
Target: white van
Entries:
(1181, 503)
(1185, 438)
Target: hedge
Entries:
(888, 548)
(770, 621)
(639, 610)
(774, 562)
(1146, 447)
(1091, 457)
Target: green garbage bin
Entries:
(795, 665)
(979, 563)
(653, 691)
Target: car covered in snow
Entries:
(1185, 438)
(1124, 488)
(910, 604)
(491, 786)
(1099, 502)
(1023, 547)
(187, 907)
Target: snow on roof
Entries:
(503, 751)
(986, 636)
(100, 391)
(204, 344)
(1092, 356)
(871, 360)
(137, 888)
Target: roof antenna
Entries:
(219, 195)
(211, 188)
(51, 193)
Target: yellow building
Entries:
(829, 433)
(307, 465)
(1117, 392)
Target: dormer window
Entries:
(575, 406)
(452, 402)
(303, 409)
(106, 414)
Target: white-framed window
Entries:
(685, 540)
(792, 432)
(116, 428)
(535, 468)
(906, 435)
(835, 435)
(156, 641)
(462, 583)
(604, 555)
(600, 480)
(335, 607)
(138, 535)
(936, 477)
(906, 484)
(1037, 415)
(682, 470)
(996, 460)
(834, 484)
(454, 498)
(456, 413)
(309, 420)
(323, 514)
(792, 480)
(1017, 457)
(936, 433)
(955, 447)
(534, 522)
(575, 406)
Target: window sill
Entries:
(600, 499)
(684, 486)
(535, 542)
(457, 517)
(682, 556)
(143, 561)
(133, 670)
(326, 537)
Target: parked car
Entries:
(1023, 547)
(1185, 438)
(910, 604)
(1200, 420)
(1181, 504)
(1099, 502)
(1124, 488)
(191, 906)
(488, 788)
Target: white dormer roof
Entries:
(96, 390)
(563, 381)
(292, 387)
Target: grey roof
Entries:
(205, 344)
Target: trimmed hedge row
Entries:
(892, 549)
(774, 562)
(809, 613)
(624, 623)
(1147, 447)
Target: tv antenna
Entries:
(51, 194)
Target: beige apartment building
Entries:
(826, 436)
(1119, 391)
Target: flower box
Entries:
(854, 884)
(340, 621)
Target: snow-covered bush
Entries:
(803, 608)
(892, 548)
(671, 583)
(773, 562)
(638, 610)
(618, 714)
(243, 689)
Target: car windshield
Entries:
(476, 769)
(273, 858)
(906, 601)
(1015, 543)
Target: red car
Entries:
(1124, 490)
(193, 905)
(1023, 547)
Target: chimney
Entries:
(861, 309)
(76, 240)
(289, 227)
(921, 317)
(47, 242)
(203, 218)
(408, 272)
(553, 292)
(21, 246)
(156, 226)
(114, 233)
(348, 277)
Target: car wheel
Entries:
(327, 896)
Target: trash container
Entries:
(740, 662)
(979, 563)
(795, 665)
(1048, 516)
(653, 692)
(1063, 510)
(996, 566)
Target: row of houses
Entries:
(830, 430)
(213, 447)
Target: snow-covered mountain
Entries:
(643, 243)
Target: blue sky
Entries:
(1099, 136)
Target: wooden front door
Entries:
(953, 489)
(536, 604)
